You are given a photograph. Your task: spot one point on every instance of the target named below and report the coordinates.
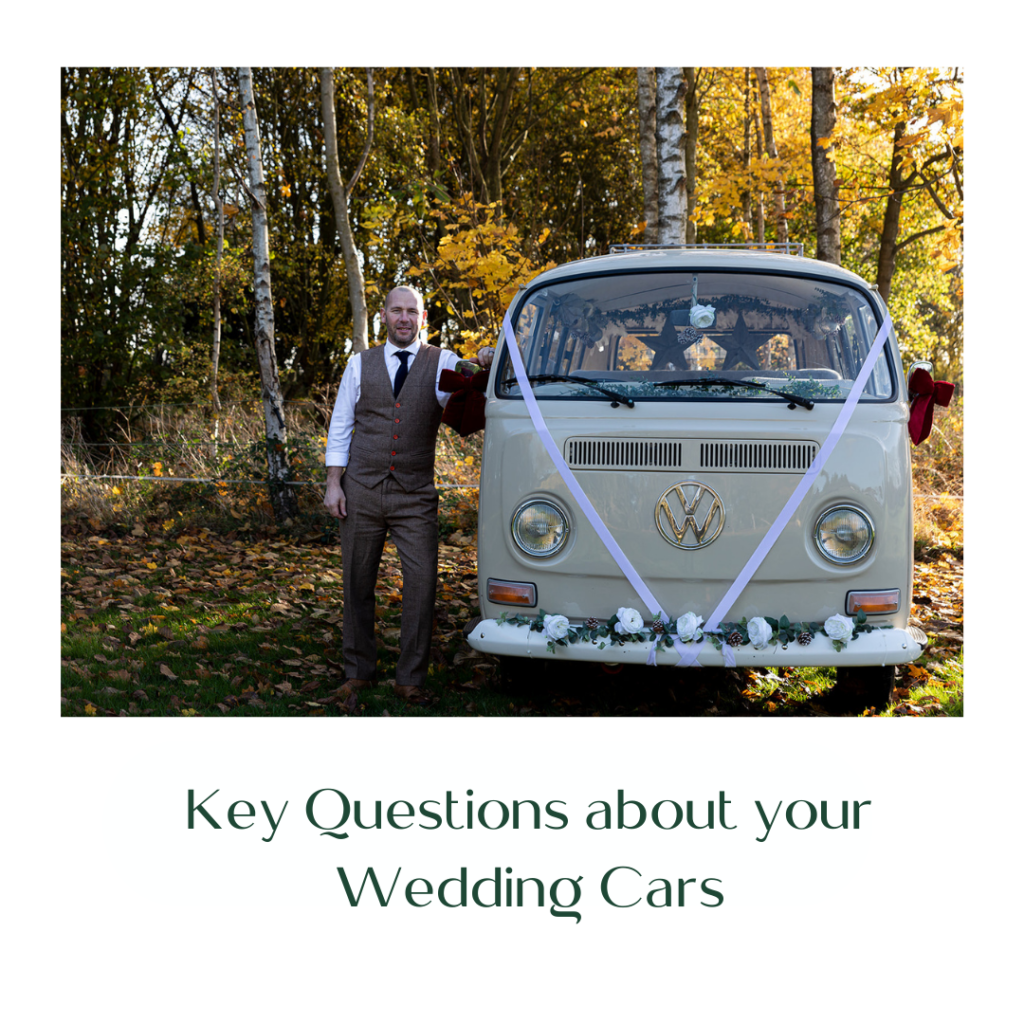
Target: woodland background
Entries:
(466, 181)
(475, 179)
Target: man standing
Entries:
(382, 437)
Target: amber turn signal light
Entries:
(872, 602)
(504, 592)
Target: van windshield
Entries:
(640, 331)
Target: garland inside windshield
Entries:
(714, 335)
(637, 388)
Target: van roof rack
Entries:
(788, 248)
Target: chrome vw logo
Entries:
(689, 507)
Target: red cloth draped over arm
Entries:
(465, 409)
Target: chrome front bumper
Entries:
(879, 647)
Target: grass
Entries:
(934, 689)
(166, 618)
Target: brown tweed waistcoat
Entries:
(396, 437)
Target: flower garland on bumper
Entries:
(627, 626)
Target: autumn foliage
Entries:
(476, 268)
(476, 179)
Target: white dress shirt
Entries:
(343, 419)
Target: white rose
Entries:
(556, 626)
(702, 316)
(839, 627)
(759, 631)
(688, 627)
(630, 621)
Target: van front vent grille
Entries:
(689, 455)
(585, 453)
(754, 456)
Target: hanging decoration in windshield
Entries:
(787, 333)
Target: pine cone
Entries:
(804, 639)
(658, 626)
(735, 638)
(592, 623)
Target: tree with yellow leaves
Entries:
(923, 109)
(476, 269)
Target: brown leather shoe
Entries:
(413, 694)
(350, 686)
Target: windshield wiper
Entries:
(558, 378)
(794, 400)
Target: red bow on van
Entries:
(924, 393)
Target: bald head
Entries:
(417, 296)
(403, 315)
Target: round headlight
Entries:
(540, 528)
(844, 534)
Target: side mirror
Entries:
(918, 364)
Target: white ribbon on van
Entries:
(807, 481)
(574, 487)
(688, 657)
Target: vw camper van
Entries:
(698, 456)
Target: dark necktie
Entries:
(403, 371)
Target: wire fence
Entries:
(207, 405)
(182, 443)
(186, 479)
(439, 484)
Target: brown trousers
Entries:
(411, 518)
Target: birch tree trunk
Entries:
(760, 194)
(219, 206)
(692, 128)
(826, 196)
(340, 196)
(646, 90)
(747, 207)
(781, 227)
(672, 207)
(282, 497)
